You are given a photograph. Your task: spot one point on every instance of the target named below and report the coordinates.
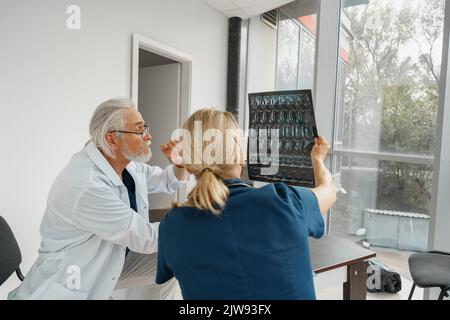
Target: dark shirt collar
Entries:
(232, 181)
(128, 181)
(237, 182)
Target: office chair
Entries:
(429, 270)
(10, 257)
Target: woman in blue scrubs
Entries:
(232, 241)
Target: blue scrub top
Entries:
(257, 248)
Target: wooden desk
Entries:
(155, 215)
(337, 261)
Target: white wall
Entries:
(262, 49)
(51, 79)
(261, 59)
(159, 96)
(261, 63)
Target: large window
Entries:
(390, 187)
(296, 45)
(287, 54)
(385, 115)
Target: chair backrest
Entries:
(10, 257)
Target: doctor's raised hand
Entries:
(172, 148)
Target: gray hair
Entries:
(108, 116)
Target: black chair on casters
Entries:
(430, 270)
(10, 257)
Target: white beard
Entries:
(141, 156)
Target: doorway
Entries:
(161, 83)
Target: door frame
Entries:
(161, 49)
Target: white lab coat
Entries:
(88, 224)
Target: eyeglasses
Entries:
(143, 133)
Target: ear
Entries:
(112, 141)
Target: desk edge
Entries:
(345, 263)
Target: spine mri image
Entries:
(282, 128)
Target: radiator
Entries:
(396, 229)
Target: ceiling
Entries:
(148, 59)
(302, 8)
(248, 8)
(244, 8)
(307, 7)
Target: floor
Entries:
(335, 293)
(394, 259)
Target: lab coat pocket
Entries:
(57, 291)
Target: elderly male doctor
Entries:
(95, 231)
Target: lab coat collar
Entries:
(103, 164)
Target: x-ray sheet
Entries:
(282, 128)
